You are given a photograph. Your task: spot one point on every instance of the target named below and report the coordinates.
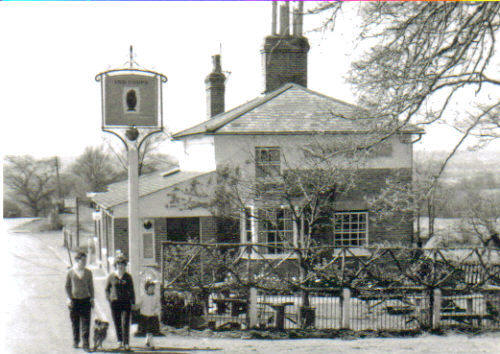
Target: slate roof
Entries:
(118, 192)
(289, 109)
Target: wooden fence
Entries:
(239, 286)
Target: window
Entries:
(350, 229)
(267, 161)
(148, 245)
(276, 227)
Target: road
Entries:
(35, 319)
(34, 315)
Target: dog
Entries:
(100, 332)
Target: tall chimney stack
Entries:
(284, 55)
(215, 88)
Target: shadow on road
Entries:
(157, 350)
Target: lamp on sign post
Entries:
(132, 111)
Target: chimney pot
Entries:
(274, 18)
(285, 19)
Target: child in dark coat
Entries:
(120, 294)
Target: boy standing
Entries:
(80, 292)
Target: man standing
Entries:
(80, 292)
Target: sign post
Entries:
(132, 111)
(134, 237)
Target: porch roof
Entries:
(117, 193)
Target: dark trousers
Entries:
(80, 312)
(121, 318)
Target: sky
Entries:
(50, 53)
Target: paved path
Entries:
(35, 319)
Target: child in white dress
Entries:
(149, 307)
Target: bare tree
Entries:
(304, 193)
(95, 168)
(428, 63)
(30, 182)
(481, 217)
(149, 158)
(425, 56)
(410, 201)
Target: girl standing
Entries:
(149, 307)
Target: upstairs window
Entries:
(350, 229)
(267, 161)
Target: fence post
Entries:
(436, 308)
(346, 308)
(252, 308)
(470, 307)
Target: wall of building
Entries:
(240, 150)
(120, 236)
(198, 154)
(207, 229)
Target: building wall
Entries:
(198, 154)
(239, 150)
(120, 236)
(394, 230)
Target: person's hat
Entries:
(80, 255)
(120, 260)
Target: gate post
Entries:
(345, 303)
(252, 308)
(436, 308)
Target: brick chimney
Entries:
(284, 55)
(215, 87)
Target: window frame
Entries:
(275, 228)
(355, 226)
(270, 166)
